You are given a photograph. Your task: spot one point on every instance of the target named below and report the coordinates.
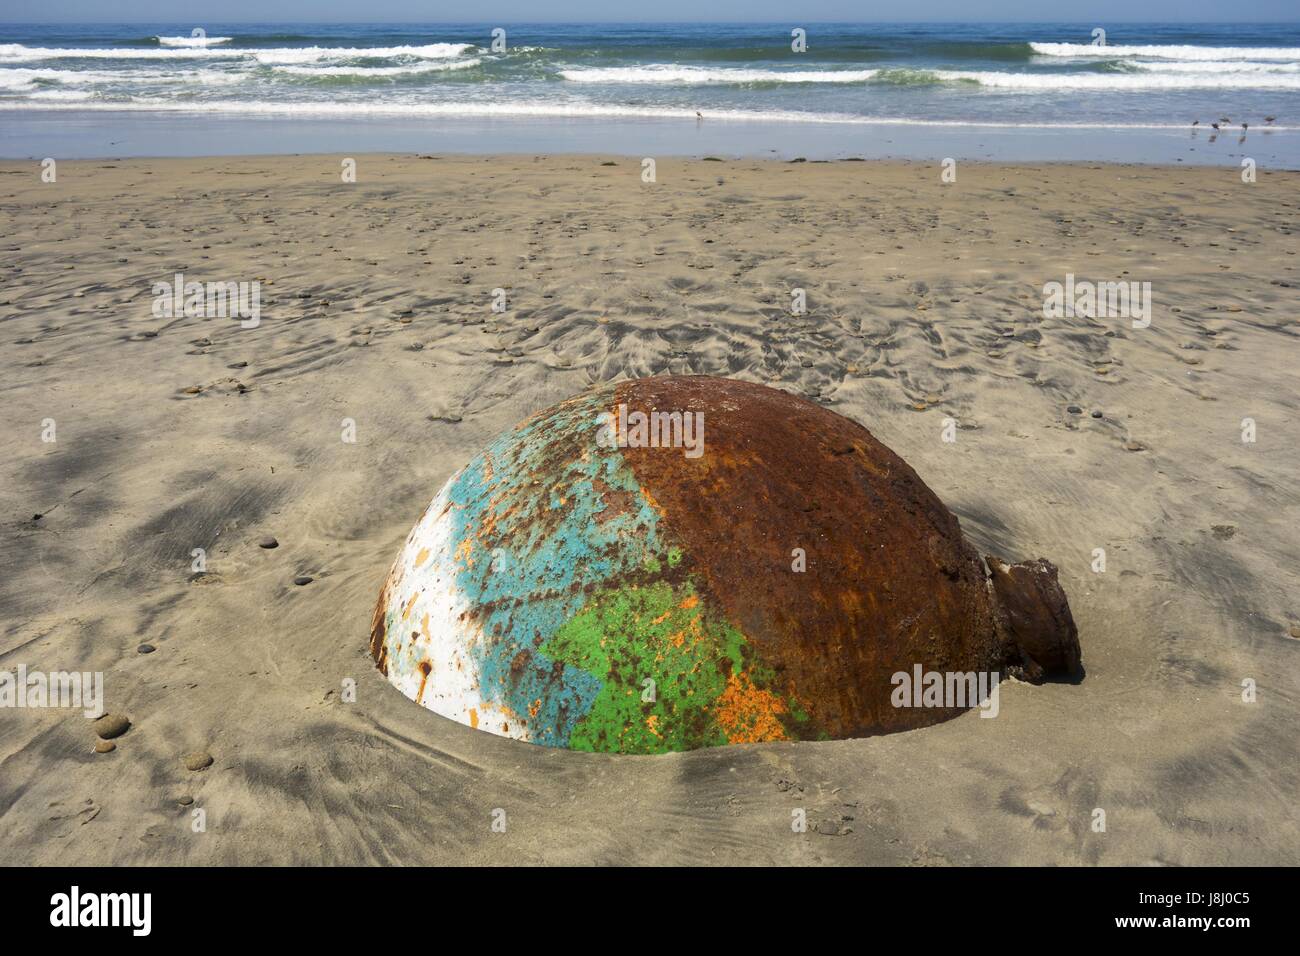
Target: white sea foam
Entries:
(1208, 66)
(17, 79)
(522, 108)
(687, 75)
(20, 78)
(1169, 52)
(18, 53)
(1151, 76)
(191, 41)
(1123, 81)
(434, 67)
(61, 96)
(314, 54)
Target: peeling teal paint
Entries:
(532, 559)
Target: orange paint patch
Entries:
(561, 500)
(473, 718)
(494, 513)
(748, 714)
(649, 499)
(690, 602)
(696, 631)
(422, 557)
(652, 724)
(463, 552)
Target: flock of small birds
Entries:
(1224, 121)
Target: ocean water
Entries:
(981, 80)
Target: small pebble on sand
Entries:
(145, 649)
(198, 760)
(302, 579)
(111, 725)
(104, 746)
(268, 543)
(1134, 446)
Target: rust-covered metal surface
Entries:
(678, 562)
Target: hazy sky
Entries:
(198, 12)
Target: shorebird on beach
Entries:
(1245, 126)
(1224, 120)
(1215, 125)
(1196, 122)
(1269, 119)
(699, 117)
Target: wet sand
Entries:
(88, 134)
(924, 303)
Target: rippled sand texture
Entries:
(924, 303)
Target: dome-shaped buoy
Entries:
(681, 562)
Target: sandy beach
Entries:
(924, 303)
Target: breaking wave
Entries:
(694, 75)
(192, 41)
(1169, 52)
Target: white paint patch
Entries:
(431, 622)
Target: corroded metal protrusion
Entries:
(1035, 620)
(764, 583)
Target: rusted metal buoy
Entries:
(681, 562)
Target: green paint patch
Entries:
(708, 689)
